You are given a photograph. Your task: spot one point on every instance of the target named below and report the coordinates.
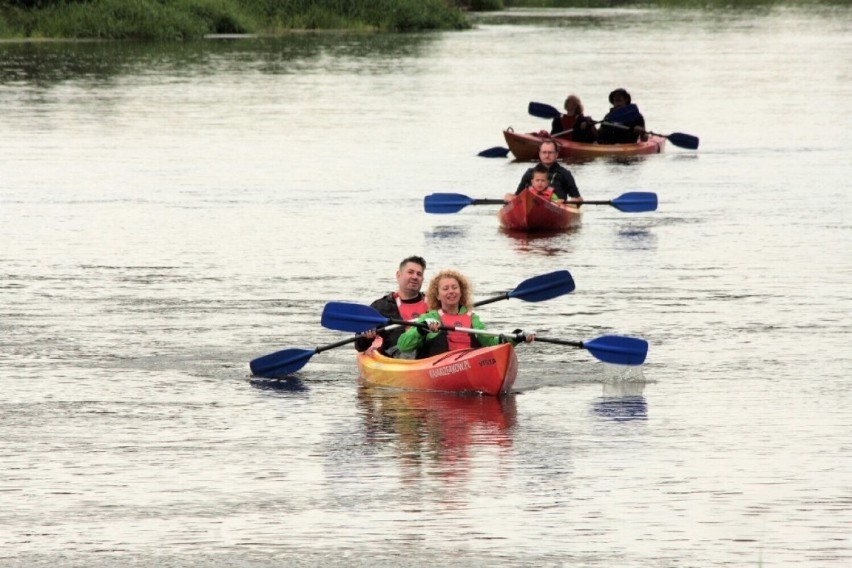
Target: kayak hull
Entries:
(487, 370)
(525, 147)
(529, 212)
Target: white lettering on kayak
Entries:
(449, 369)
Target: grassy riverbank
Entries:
(169, 20)
(177, 20)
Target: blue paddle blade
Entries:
(445, 202)
(542, 110)
(345, 316)
(682, 140)
(494, 152)
(624, 114)
(636, 202)
(281, 363)
(544, 287)
(618, 349)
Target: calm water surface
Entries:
(169, 213)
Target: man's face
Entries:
(410, 278)
(547, 153)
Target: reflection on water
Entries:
(545, 243)
(287, 384)
(434, 428)
(622, 402)
(45, 64)
(447, 232)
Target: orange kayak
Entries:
(487, 370)
(525, 147)
(531, 212)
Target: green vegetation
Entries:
(704, 4)
(175, 20)
(168, 20)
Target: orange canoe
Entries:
(525, 147)
(530, 212)
(487, 370)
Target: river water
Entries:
(168, 213)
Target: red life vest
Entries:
(567, 121)
(410, 310)
(547, 194)
(457, 339)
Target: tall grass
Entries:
(167, 20)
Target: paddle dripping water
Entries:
(169, 213)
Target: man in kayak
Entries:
(560, 179)
(449, 298)
(407, 303)
(627, 131)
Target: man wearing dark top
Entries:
(407, 303)
(627, 131)
(561, 180)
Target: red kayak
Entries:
(487, 370)
(525, 147)
(529, 212)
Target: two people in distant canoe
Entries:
(623, 124)
(622, 131)
(407, 303)
(450, 305)
(574, 122)
(558, 177)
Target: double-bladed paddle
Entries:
(535, 289)
(542, 110)
(617, 116)
(679, 139)
(630, 202)
(621, 114)
(357, 318)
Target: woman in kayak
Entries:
(580, 126)
(450, 305)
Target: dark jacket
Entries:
(561, 181)
(615, 135)
(386, 305)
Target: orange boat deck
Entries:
(530, 212)
(487, 370)
(525, 147)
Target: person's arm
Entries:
(414, 337)
(556, 125)
(569, 185)
(525, 181)
(484, 340)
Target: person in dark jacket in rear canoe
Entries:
(634, 128)
(407, 303)
(561, 180)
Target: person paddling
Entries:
(632, 130)
(449, 299)
(407, 303)
(574, 123)
(560, 178)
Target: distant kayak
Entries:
(529, 211)
(487, 370)
(525, 147)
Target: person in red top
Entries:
(581, 127)
(449, 298)
(407, 303)
(538, 184)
